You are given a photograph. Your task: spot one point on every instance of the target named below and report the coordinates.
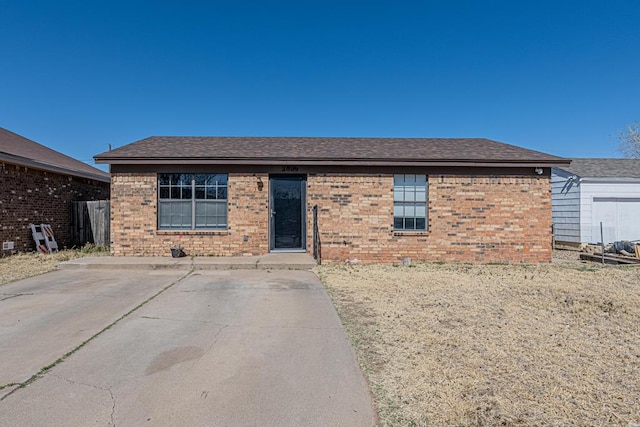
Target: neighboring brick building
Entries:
(378, 199)
(37, 185)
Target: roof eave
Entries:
(610, 180)
(23, 161)
(331, 162)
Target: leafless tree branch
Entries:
(630, 142)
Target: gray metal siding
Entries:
(565, 197)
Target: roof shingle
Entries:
(20, 150)
(604, 168)
(318, 150)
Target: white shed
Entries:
(591, 191)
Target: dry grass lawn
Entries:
(30, 264)
(517, 345)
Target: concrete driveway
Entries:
(215, 348)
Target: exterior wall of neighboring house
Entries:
(34, 196)
(566, 206)
(615, 203)
(489, 216)
(581, 203)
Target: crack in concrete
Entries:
(194, 362)
(2, 387)
(179, 320)
(12, 296)
(213, 342)
(113, 409)
(215, 339)
(107, 389)
(60, 377)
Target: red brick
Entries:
(34, 196)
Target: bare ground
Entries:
(485, 345)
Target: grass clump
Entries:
(92, 248)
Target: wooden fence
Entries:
(90, 222)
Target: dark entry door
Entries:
(287, 204)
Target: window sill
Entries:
(193, 232)
(410, 233)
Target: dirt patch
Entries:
(30, 264)
(555, 344)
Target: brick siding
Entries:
(134, 220)
(470, 219)
(501, 218)
(34, 196)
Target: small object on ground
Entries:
(597, 249)
(353, 261)
(610, 259)
(622, 245)
(177, 252)
(406, 261)
(43, 237)
(50, 241)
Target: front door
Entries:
(287, 210)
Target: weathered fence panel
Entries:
(90, 222)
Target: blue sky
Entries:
(561, 77)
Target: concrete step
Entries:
(273, 261)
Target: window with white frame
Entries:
(409, 202)
(192, 201)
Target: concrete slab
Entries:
(271, 261)
(44, 317)
(224, 348)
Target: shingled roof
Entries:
(604, 168)
(16, 149)
(326, 151)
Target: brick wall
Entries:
(134, 220)
(471, 219)
(500, 218)
(34, 196)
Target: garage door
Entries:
(620, 218)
